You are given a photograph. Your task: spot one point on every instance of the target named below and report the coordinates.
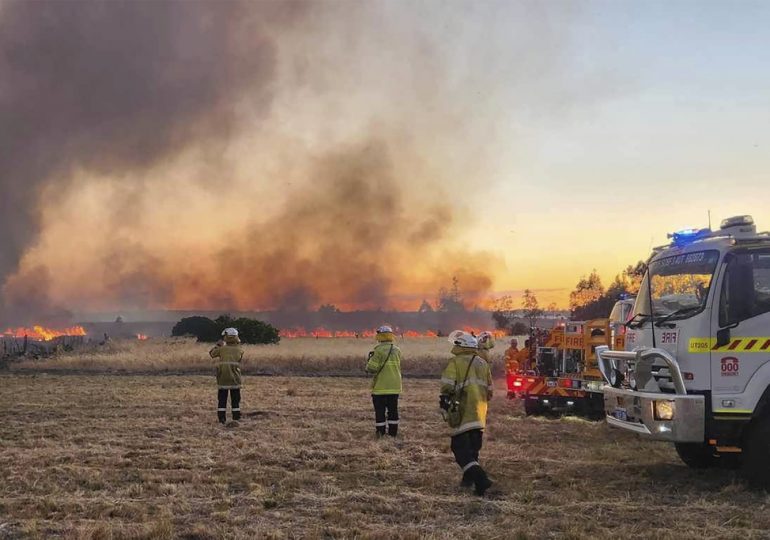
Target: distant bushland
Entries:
(250, 331)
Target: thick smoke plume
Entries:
(251, 155)
(114, 87)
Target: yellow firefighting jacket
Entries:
(477, 387)
(229, 358)
(511, 360)
(388, 379)
(486, 348)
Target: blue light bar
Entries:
(687, 236)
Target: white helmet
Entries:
(230, 332)
(463, 339)
(486, 338)
(384, 329)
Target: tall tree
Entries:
(588, 289)
(531, 307)
(450, 300)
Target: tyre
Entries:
(592, 408)
(532, 407)
(729, 462)
(755, 468)
(696, 455)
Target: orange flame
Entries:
(40, 333)
(477, 331)
(142, 337)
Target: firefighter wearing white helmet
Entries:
(385, 364)
(466, 388)
(486, 343)
(229, 355)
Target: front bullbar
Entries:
(642, 360)
(634, 410)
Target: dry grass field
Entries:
(106, 456)
(423, 357)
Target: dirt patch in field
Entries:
(143, 457)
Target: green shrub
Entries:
(204, 329)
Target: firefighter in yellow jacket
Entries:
(385, 364)
(468, 380)
(229, 355)
(512, 365)
(486, 343)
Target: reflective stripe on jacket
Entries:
(477, 388)
(229, 365)
(388, 381)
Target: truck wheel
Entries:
(531, 407)
(696, 455)
(730, 462)
(756, 448)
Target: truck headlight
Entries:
(632, 380)
(616, 378)
(664, 409)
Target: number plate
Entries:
(620, 414)
(669, 339)
(551, 383)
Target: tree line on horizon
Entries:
(588, 300)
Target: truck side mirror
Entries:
(723, 336)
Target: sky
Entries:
(678, 126)
(364, 153)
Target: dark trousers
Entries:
(466, 447)
(386, 406)
(235, 403)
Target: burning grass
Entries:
(423, 357)
(42, 333)
(143, 457)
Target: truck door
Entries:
(741, 340)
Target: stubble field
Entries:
(141, 456)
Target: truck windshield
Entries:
(680, 285)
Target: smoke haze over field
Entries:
(252, 155)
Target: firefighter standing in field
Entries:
(511, 364)
(466, 384)
(486, 343)
(385, 364)
(229, 355)
(525, 355)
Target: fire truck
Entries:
(569, 380)
(696, 371)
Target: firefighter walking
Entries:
(229, 355)
(466, 388)
(385, 364)
(512, 366)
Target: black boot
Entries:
(480, 479)
(392, 429)
(467, 480)
(380, 431)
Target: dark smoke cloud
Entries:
(349, 236)
(116, 86)
(248, 155)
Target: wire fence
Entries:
(11, 347)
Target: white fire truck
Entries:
(696, 366)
